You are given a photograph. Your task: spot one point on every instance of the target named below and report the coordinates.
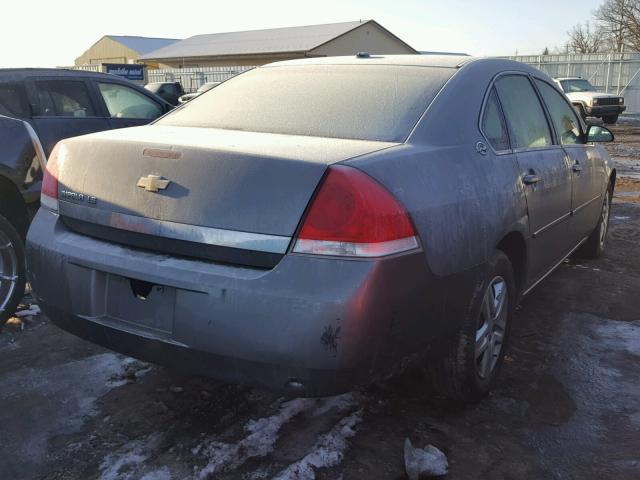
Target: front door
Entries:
(586, 171)
(545, 173)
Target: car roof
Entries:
(436, 61)
(568, 78)
(22, 73)
(444, 61)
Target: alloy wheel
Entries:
(8, 271)
(492, 325)
(604, 224)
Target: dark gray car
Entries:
(312, 225)
(38, 108)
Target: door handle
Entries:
(576, 167)
(530, 179)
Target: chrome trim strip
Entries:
(535, 284)
(179, 231)
(580, 207)
(549, 225)
(42, 158)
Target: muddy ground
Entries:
(568, 405)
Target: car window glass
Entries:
(562, 115)
(493, 124)
(14, 100)
(577, 85)
(524, 113)
(125, 102)
(372, 102)
(64, 98)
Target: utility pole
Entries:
(620, 69)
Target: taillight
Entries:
(49, 194)
(354, 215)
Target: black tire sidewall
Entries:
(592, 247)
(18, 245)
(498, 265)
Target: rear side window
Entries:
(14, 100)
(125, 102)
(63, 98)
(493, 125)
(563, 116)
(365, 102)
(522, 108)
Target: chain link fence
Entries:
(192, 78)
(617, 73)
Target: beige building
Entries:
(258, 47)
(121, 49)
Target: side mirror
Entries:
(596, 133)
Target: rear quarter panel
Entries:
(462, 203)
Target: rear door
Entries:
(586, 165)
(545, 172)
(126, 106)
(63, 108)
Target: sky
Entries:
(52, 33)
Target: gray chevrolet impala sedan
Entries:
(313, 225)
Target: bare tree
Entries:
(613, 19)
(632, 24)
(620, 20)
(585, 39)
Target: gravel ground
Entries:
(568, 405)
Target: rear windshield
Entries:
(367, 102)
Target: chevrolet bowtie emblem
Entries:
(153, 183)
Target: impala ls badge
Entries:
(153, 183)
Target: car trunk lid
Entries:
(225, 183)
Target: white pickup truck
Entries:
(590, 103)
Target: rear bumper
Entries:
(310, 326)
(598, 111)
(287, 379)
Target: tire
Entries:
(465, 374)
(610, 119)
(12, 270)
(595, 244)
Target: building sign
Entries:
(126, 70)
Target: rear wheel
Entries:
(610, 119)
(12, 269)
(594, 246)
(470, 369)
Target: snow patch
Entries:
(622, 334)
(263, 434)
(122, 465)
(327, 452)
